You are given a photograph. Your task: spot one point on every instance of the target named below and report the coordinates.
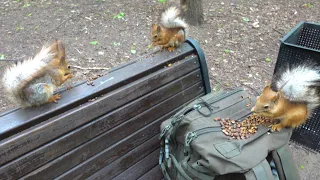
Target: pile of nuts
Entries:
(91, 79)
(243, 129)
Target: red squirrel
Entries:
(32, 82)
(172, 32)
(291, 97)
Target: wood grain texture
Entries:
(34, 137)
(97, 162)
(139, 119)
(154, 174)
(21, 119)
(38, 157)
(141, 167)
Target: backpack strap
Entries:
(164, 172)
(260, 172)
(177, 166)
(285, 164)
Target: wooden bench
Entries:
(106, 131)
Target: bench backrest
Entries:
(109, 130)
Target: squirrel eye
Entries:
(155, 36)
(266, 106)
(69, 67)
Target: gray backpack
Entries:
(194, 147)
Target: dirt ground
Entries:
(240, 39)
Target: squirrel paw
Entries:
(68, 76)
(171, 49)
(54, 98)
(276, 127)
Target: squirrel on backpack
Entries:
(291, 97)
(33, 82)
(172, 32)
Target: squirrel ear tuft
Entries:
(61, 47)
(58, 45)
(277, 96)
(159, 29)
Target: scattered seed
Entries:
(243, 129)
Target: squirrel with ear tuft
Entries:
(33, 82)
(172, 32)
(292, 96)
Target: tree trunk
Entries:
(192, 11)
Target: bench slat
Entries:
(122, 164)
(50, 151)
(34, 137)
(21, 119)
(141, 167)
(101, 160)
(154, 174)
(81, 135)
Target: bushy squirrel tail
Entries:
(170, 19)
(299, 83)
(17, 77)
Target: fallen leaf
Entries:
(26, 5)
(308, 5)
(2, 57)
(94, 42)
(119, 16)
(133, 51)
(116, 43)
(255, 24)
(245, 19)
(268, 60)
(227, 51)
(301, 167)
(162, 1)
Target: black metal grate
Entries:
(302, 44)
(310, 37)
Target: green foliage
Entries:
(26, 5)
(94, 42)
(119, 16)
(245, 19)
(2, 56)
(162, 1)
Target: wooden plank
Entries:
(138, 169)
(123, 163)
(44, 154)
(97, 162)
(91, 130)
(22, 119)
(116, 151)
(25, 141)
(154, 174)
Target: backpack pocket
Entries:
(233, 148)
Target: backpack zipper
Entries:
(194, 134)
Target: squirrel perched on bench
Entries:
(33, 82)
(172, 32)
(291, 97)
